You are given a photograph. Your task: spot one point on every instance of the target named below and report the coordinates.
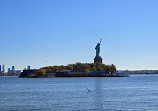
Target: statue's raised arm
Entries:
(100, 41)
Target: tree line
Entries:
(82, 67)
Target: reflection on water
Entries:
(129, 93)
(98, 93)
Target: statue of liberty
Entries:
(97, 48)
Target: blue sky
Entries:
(54, 32)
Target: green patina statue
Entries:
(97, 48)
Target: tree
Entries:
(42, 71)
(112, 68)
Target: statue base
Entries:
(98, 59)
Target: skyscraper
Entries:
(0, 69)
(9, 70)
(13, 69)
(28, 67)
(3, 68)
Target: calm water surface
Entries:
(135, 93)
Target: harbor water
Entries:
(135, 93)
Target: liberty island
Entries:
(96, 69)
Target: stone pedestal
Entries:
(98, 59)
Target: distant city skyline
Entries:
(60, 32)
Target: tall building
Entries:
(3, 70)
(28, 67)
(0, 69)
(13, 69)
(9, 71)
